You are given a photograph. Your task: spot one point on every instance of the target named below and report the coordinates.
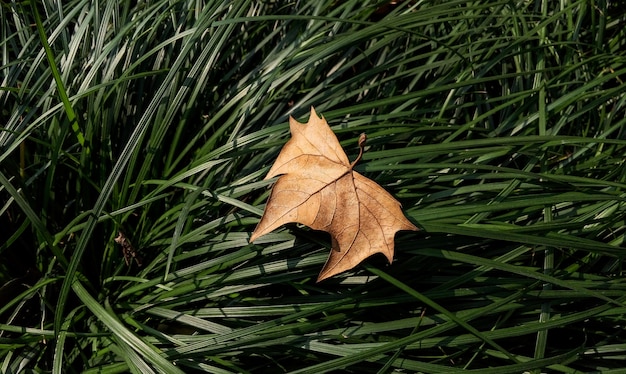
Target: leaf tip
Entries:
(257, 233)
(325, 274)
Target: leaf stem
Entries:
(362, 140)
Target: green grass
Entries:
(499, 125)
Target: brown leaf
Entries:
(319, 189)
(127, 249)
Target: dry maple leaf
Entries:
(319, 189)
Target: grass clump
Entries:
(498, 125)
